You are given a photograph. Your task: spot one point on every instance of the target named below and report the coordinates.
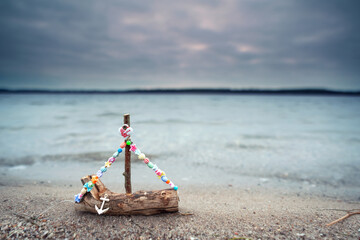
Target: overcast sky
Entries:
(116, 44)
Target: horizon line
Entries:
(280, 91)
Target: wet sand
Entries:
(41, 210)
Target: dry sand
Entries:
(216, 213)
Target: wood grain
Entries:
(138, 203)
(127, 173)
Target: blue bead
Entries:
(164, 178)
(119, 150)
(77, 198)
(176, 188)
(103, 169)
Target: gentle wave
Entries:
(99, 157)
(24, 127)
(108, 114)
(176, 121)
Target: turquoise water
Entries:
(296, 142)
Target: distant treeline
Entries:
(190, 91)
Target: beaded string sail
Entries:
(125, 132)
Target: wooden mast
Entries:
(127, 173)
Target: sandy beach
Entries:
(43, 210)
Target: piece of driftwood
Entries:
(138, 203)
(349, 214)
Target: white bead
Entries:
(83, 191)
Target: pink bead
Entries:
(80, 196)
(111, 160)
(146, 160)
(133, 147)
(158, 172)
(171, 184)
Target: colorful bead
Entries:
(94, 179)
(155, 167)
(83, 191)
(111, 160)
(150, 164)
(146, 160)
(158, 172)
(107, 164)
(133, 147)
(164, 178)
(88, 186)
(116, 154)
(176, 188)
(171, 184)
(99, 173)
(128, 143)
(168, 181)
(137, 152)
(119, 150)
(123, 144)
(77, 198)
(103, 169)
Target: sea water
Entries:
(306, 143)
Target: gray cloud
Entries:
(149, 44)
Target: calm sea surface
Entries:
(306, 143)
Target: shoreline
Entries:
(48, 172)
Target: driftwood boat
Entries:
(103, 201)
